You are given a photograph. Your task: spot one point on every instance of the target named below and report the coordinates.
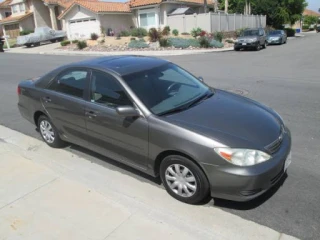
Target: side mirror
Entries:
(127, 111)
(201, 79)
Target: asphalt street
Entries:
(285, 78)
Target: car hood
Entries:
(231, 120)
(274, 35)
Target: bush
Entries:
(154, 35)
(175, 32)
(290, 32)
(183, 43)
(137, 44)
(124, 33)
(82, 44)
(139, 32)
(131, 39)
(203, 33)
(195, 32)
(218, 36)
(204, 42)
(215, 44)
(141, 40)
(26, 32)
(240, 31)
(305, 27)
(229, 41)
(164, 42)
(65, 43)
(185, 33)
(94, 36)
(166, 31)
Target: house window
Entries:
(22, 7)
(15, 8)
(147, 19)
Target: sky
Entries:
(313, 4)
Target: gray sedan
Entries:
(277, 37)
(158, 118)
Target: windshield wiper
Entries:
(203, 97)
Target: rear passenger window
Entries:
(72, 83)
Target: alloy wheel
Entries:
(47, 131)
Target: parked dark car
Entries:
(1, 44)
(253, 38)
(158, 118)
(277, 37)
(318, 28)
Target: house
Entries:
(306, 12)
(85, 17)
(5, 11)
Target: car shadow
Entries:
(252, 204)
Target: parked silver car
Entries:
(41, 34)
(277, 37)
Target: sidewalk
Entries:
(50, 49)
(48, 194)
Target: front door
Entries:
(64, 102)
(124, 139)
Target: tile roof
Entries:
(98, 7)
(138, 3)
(16, 18)
(64, 3)
(5, 4)
(310, 12)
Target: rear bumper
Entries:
(246, 183)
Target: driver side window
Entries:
(106, 90)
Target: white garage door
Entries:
(83, 28)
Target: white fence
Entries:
(212, 22)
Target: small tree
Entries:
(309, 20)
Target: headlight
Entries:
(242, 157)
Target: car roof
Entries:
(123, 65)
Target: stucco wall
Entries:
(79, 13)
(117, 22)
(41, 14)
(27, 24)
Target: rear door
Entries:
(64, 102)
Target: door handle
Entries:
(91, 114)
(46, 99)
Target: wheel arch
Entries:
(36, 116)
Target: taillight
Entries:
(19, 90)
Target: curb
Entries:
(141, 53)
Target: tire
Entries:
(264, 46)
(197, 186)
(60, 39)
(28, 45)
(237, 49)
(46, 127)
(36, 44)
(53, 40)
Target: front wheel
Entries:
(184, 180)
(264, 46)
(49, 133)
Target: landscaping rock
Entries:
(154, 45)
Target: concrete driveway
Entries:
(285, 78)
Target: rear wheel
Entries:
(53, 40)
(28, 45)
(49, 133)
(237, 49)
(36, 44)
(184, 180)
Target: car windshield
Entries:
(275, 32)
(250, 33)
(166, 88)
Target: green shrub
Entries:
(229, 41)
(195, 32)
(204, 42)
(124, 33)
(137, 44)
(218, 36)
(305, 27)
(175, 32)
(141, 40)
(164, 42)
(240, 31)
(183, 43)
(154, 35)
(65, 43)
(290, 32)
(166, 31)
(26, 32)
(94, 36)
(215, 44)
(139, 32)
(185, 33)
(74, 41)
(82, 44)
(131, 39)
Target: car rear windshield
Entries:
(250, 33)
(165, 88)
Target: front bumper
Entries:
(246, 45)
(246, 183)
(272, 41)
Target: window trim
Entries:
(119, 82)
(64, 71)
